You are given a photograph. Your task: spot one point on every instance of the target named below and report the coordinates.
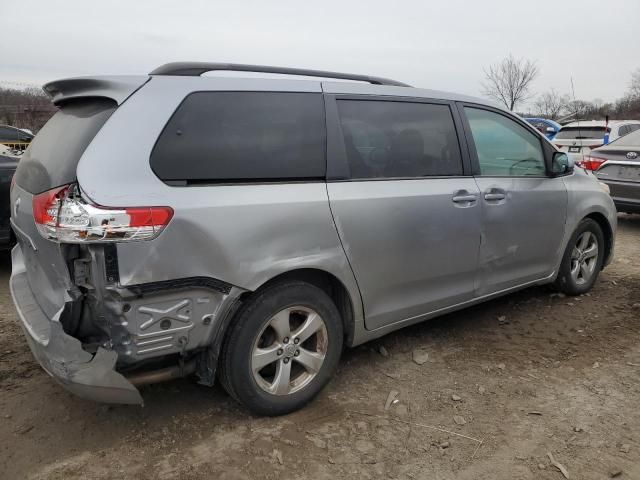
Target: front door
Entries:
(523, 209)
(408, 218)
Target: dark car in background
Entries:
(13, 142)
(15, 138)
(8, 165)
(618, 165)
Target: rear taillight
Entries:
(63, 215)
(591, 163)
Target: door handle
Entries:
(464, 198)
(494, 196)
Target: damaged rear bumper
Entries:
(92, 377)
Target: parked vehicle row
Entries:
(578, 139)
(608, 148)
(247, 229)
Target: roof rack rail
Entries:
(195, 69)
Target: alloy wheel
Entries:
(584, 258)
(289, 351)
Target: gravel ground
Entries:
(504, 384)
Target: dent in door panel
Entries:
(522, 234)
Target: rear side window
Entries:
(53, 155)
(579, 133)
(243, 136)
(387, 139)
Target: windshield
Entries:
(578, 133)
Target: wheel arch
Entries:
(322, 279)
(607, 231)
(328, 283)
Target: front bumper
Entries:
(92, 377)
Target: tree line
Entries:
(25, 108)
(509, 82)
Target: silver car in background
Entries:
(618, 165)
(247, 229)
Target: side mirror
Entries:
(561, 163)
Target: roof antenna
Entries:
(575, 106)
(573, 94)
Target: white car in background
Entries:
(577, 139)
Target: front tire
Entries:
(582, 260)
(282, 349)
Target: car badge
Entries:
(632, 155)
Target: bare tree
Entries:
(551, 104)
(634, 87)
(581, 109)
(508, 81)
(25, 108)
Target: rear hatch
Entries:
(51, 161)
(579, 141)
(620, 171)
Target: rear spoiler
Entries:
(117, 88)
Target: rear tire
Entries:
(582, 260)
(283, 347)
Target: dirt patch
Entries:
(526, 374)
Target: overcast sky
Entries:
(432, 44)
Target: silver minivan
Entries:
(247, 229)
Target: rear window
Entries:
(630, 140)
(243, 136)
(54, 153)
(627, 129)
(390, 139)
(579, 133)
